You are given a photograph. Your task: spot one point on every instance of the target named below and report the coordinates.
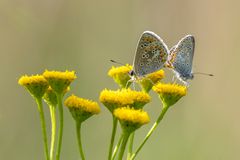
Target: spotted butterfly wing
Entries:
(151, 54)
(181, 57)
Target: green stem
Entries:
(114, 128)
(53, 136)
(78, 131)
(123, 145)
(164, 110)
(60, 130)
(130, 147)
(117, 147)
(43, 125)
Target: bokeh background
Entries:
(84, 35)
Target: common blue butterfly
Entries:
(151, 55)
(181, 57)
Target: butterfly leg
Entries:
(128, 83)
(150, 80)
(133, 85)
(186, 83)
(174, 79)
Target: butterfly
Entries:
(151, 55)
(181, 57)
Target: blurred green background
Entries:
(84, 35)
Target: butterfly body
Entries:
(181, 57)
(151, 55)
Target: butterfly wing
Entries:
(181, 56)
(151, 54)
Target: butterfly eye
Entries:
(131, 73)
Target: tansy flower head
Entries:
(170, 93)
(151, 79)
(50, 96)
(81, 109)
(59, 81)
(120, 98)
(130, 118)
(121, 75)
(36, 85)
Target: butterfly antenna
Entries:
(207, 74)
(113, 61)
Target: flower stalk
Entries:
(123, 145)
(117, 147)
(78, 131)
(164, 110)
(60, 130)
(53, 136)
(114, 129)
(130, 147)
(81, 109)
(43, 125)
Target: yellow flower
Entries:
(80, 108)
(121, 75)
(170, 93)
(59, 81)
(120, 98)
(50, 97)
(130, 118)
(151, 79)
(36, 85)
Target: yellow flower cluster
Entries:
(156, 76)
(83, 104)
(151, 79)
(131, 115)
(170, 93)
(119, 70)
(81, 109)
(121, 75)
(67, 75)
(50, 97)
(124, 97)
(28, 80)
(59, 81)
(36, 85)
(170, 89)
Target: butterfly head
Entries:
(186, 77)
(191, 76)
(132, 73)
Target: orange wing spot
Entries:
(173, 57)
(168, 65)
(161, 54)
(151, 39)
